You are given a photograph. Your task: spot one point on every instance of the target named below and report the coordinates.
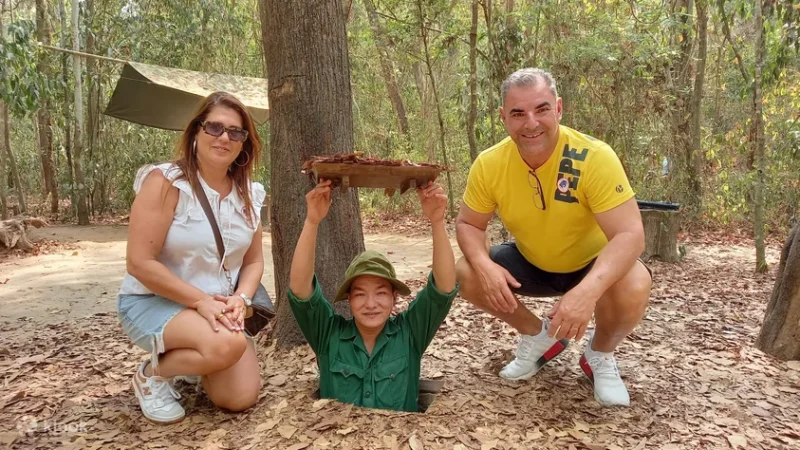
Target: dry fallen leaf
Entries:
(582, 426)
(277, 380)
(268, 425)
(726, 422)
(298, 446)
(319, 404)
(415, 443)
(794, 365)
(737, 440)
(283, 404)
(480, 437)
(346, 431)
(489, 444)
(8, 437)
(390, 441)
(287, 431)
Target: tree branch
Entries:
(429, 28)
(727, 31)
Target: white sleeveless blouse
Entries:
(190, 250)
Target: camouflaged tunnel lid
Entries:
(164, 97)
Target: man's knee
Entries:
(465, 276)
(224, 349)
(639, 282)
(632, 292)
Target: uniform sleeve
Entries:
(607, 185)
(477, 196)
(314, 316)
(426, 313)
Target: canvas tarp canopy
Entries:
(164, 97)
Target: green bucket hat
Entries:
(374, 263)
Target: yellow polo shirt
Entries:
(581, 178)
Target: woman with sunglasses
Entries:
(178, 300)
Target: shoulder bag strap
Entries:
(201, 196)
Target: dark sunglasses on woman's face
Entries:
(216, 129)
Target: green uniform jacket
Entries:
(387, 379)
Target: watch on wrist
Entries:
(248, 302)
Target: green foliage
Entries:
(22, 86)
(616, 64)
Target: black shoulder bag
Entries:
(258, 316)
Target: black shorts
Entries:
(535, 281)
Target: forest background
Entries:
(700, 102)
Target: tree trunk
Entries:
(62, 13)
(493, 79)
(758, 142)
(424, 34)
(3, 177)
(682, 104)
(387, 69)
(695, 156)
(472, 115)
(77, 156)
(12, 163)
(98, 191)
(661, 235)
(420, 80)
(310, 114)
(780, 333)
(44, 122)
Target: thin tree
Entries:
(757, 124)
(3, 178)
(43, 120)
(387, 68)
(311, 113)
(77, 160)
(695, 156)
(472, 114)
(423, 29)
(758, 141)
(65, 76)
(12, 162)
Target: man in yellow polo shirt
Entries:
(565, 198)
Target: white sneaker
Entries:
(157, 398)
(533, 353)
(609, 390)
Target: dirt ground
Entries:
(695, 378)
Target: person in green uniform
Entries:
(372, 360)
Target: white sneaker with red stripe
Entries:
(533, 352)
(157, 398)
(601, 368)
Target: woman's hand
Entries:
(236, 310)
(318, 202)
(214, 312)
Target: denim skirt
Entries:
(144, 318)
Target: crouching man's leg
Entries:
(535, 348)
(617, 313)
